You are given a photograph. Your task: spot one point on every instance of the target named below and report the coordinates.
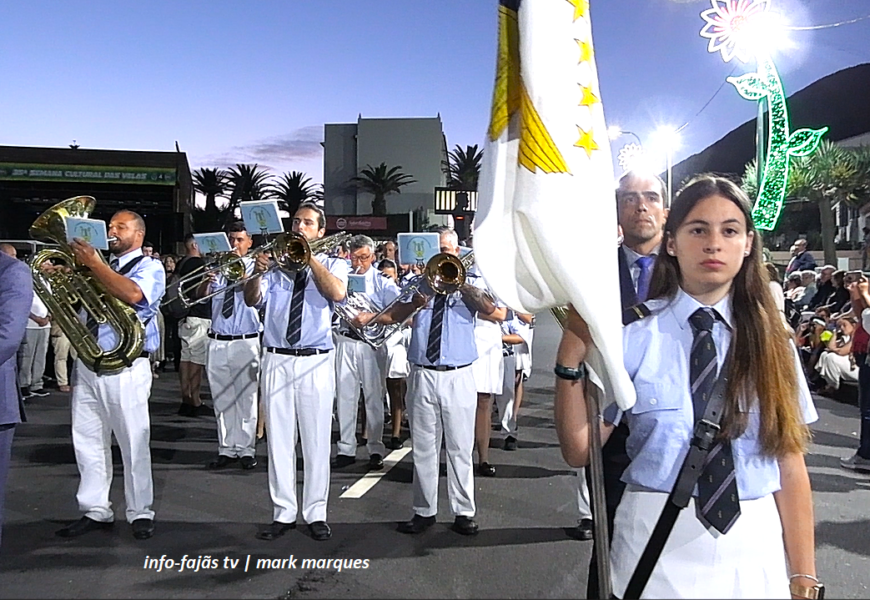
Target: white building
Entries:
(417, 145)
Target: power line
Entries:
(830, 25)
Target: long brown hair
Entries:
(761, 355)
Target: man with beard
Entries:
(117, 403)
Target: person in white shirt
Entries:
(32, 367)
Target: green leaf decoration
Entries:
(750, 86)
(804, 142)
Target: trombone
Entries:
(444, 274)
(291, 251)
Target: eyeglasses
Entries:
(361, 258)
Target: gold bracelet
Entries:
(815, 592)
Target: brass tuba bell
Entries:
(62, 289)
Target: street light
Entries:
(614, 131)
(668, 138)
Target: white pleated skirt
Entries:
(748, 562)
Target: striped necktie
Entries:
(718, 500)
(229, 302)
(294, 321)
(433, 348)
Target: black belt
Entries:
(352, 335)
(507, 352)
(145, 355)
(442, 367)
(229, 338)
(297, 351)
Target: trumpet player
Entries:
(357, 365)
(233, 359)
(298, 375)
(117, 403)
(442, 396)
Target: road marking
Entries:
(370, 479)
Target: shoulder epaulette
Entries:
(635, 313)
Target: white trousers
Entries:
(297, 395)
(106, 404)
(505, 401)
(442, 404)
(747, 562)
(583, 504)
(835, 368)
(357, 366)
(233, 368)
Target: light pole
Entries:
(614, 131)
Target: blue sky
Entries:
(255, 81)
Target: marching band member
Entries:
(516, 336)
(233, 360)
(393, 356)
(298, 376)
(357, 365)
(748, 529)
(442, 394)
(118, 403)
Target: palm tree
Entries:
(381, 181)
(247, 182)
(291, 190)
(211, 183)
(463, 167)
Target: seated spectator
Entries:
(824, 287)
(794, 289)
(808, 281)
(835, 363)
(840, 296)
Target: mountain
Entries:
(838, 101)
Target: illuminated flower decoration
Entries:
(733, 27)
(631, 157)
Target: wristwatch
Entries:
(815, 592)
(570, 374)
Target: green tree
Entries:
(463, 167)
(381, 181)
(212, 183)
(247, 182)
(292, 189)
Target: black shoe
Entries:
(510, 443)
(221, 462)
(83, 526)
(376, 462)
(342, 460)
(465, 526)
(417, 524)
(486, 470)
(583, 531)
(203, 411)
(186, 410)
(275, 530)
(248, 462)
(143, 529)
(25, 392)
(40, 393)
(320, 531)
(395, 443)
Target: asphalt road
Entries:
(522, 550)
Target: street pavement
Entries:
(206, 520)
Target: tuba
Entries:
(62, 289)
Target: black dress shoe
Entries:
(320, 531)
(342, 460)
(486, 470)
(186, 410)
(82, 526)
(376, 462)
(417, 524)
(248, 462)
(275, 530)
(583, 531)
(221, 462)
(510, 443)
(465, 525)
(143, 529)
(395, 443)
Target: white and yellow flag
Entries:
(545, 230)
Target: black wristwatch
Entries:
(570, 374)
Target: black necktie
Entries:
(433, 348)
(294, 321)
(718, 501)
(229, 302)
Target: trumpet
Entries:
(444, 274)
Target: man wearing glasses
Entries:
(357, 366)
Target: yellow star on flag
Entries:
(589, 97)
(586, 141)
(581, 8)
(585, 51)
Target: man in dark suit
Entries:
(802, 260)
(642, 207)
(16, 295)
